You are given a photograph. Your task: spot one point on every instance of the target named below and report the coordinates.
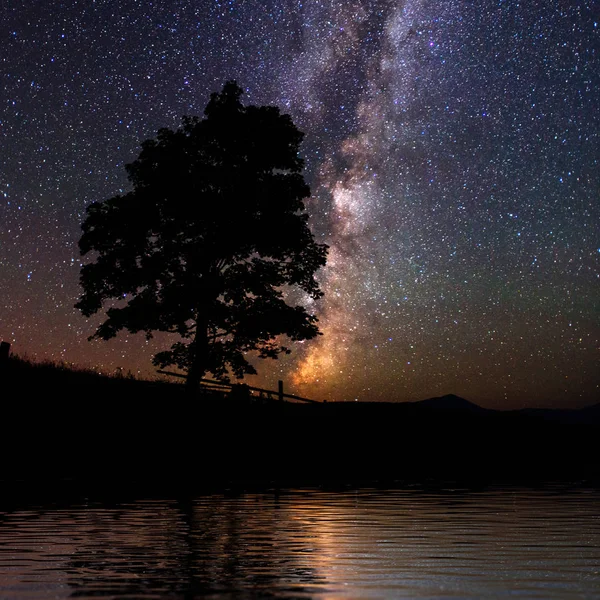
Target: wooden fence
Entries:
(256, 392)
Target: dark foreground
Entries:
(125, 432)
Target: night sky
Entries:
(452, 150)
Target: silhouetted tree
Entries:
(208, 241)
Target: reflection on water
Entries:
(309, 543)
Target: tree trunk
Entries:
(199, 357)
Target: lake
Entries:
(409, 542)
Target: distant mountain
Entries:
(450, 402)
(588, 415)
(593, 412)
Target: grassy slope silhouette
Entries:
(61, 423)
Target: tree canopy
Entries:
(208, 241)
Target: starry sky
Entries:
(452, 150)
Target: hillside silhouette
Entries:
(60, 424)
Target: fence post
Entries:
(280, 391)
(4, 352)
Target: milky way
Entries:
(452, 150)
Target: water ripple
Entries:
(364, 543)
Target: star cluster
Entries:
(452, 150)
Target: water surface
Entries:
(308, 543)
